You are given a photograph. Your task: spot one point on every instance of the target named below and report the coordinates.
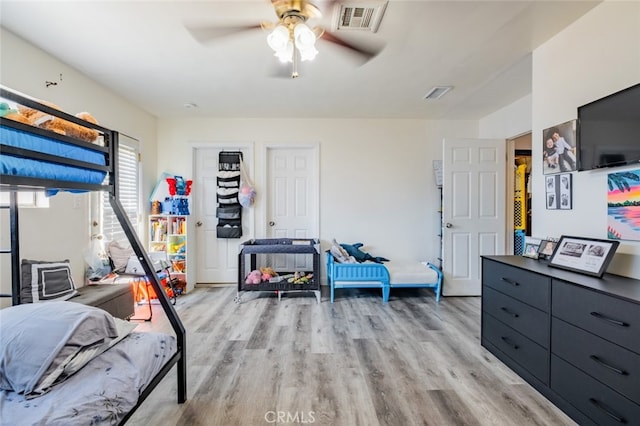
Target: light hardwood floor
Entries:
(354, 362)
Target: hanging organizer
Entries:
(229, 210)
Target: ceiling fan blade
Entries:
(365, 52)
(206, 35)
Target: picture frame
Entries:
(546, 248)
(559, 191)
(559, 148)
(531, 246)
(589, 256)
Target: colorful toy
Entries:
(254, 277)
(267, 273)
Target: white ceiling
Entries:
(142, 51)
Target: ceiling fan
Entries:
(290, 37)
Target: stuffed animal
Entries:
(267, 273)
(13, 114)
(58, 125)
(254, 277)
(361, 256)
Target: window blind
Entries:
(128, 192)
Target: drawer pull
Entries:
(611, 320)
(508, 281)
(509, 312)
(509, 342)
(610, 367)
(607, 411)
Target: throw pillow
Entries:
(361, 256)
(45, 281)
(119, 251)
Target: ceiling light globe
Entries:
(304, 37)
(286, 53)
(278, 38)
(308, 54)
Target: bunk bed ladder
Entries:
(150, 272)
(14, 249)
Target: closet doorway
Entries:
(519, 219)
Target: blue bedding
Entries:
(16, 166)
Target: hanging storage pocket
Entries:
(229, 228)
(231, 212)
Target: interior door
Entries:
(217, 258)
(292, 200)
(473, 214)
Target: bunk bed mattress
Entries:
(102, 392)
(16, 166)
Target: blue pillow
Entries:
(361, 256)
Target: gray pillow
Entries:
(40, 339)
(44, 281)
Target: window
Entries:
(128, 185)
(27, 199)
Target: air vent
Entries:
(437, 92)
(359, 16)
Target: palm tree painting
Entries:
(623, 205)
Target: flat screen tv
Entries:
(608, 130)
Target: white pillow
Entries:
(119, 251)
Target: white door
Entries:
(473, 213)
(217, 258)
(292, 200)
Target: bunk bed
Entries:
(37, 159)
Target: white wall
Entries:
(599, 54)
(376, 177)
(62, 231)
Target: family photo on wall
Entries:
(559, 148)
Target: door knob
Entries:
(198, 223)
(272, 223)
(448, 225)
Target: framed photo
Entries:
(588, 256)
(531, 246)
(546, 248)
(559, 191)
(559, 148)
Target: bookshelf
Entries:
(168, 233)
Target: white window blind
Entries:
(128, 191)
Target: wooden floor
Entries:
(354, 362)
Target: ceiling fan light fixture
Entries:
(305, 42)
(278, 38)
(285, 54)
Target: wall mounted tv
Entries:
(608, 130)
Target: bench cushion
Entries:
(117, 299)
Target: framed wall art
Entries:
(559, 191)
(623, 205)
(559, 148)
(587, 256)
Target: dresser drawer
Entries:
(601, 404)
(527, 353)
(612, 365)
(526, 319)
(613, 319)
(528, 287)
